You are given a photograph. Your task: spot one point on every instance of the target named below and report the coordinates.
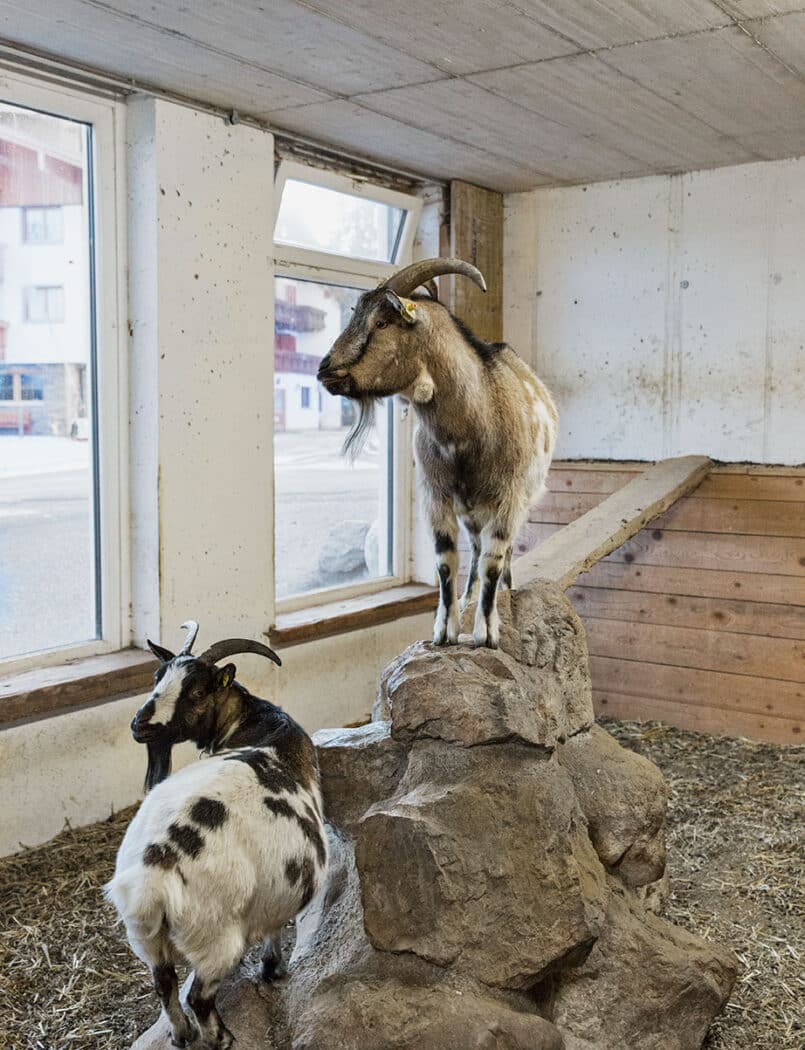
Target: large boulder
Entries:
(623, 797)
(646, 985)
(342, 551)
(474, 696)
(508, 911)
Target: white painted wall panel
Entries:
(724, 266)
(667, 313)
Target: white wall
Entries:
(667, 314)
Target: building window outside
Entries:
(59, 581)
(43, 225)
(334, 520)
(45, 305)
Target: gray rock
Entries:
(358, 766)
(623, 797)
(482, 863)
(646, 984)
(342, 550)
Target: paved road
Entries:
(46, 589)
(46, 592)
(316, 492)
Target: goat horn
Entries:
(231, 646)
(192, 630)
(405, 281)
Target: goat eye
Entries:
(381, 324)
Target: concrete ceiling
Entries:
(509, 94)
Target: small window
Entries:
(32, 388)
(45, 305)
(305, 392)
(43, 225)
(327, 220)
(6, 387)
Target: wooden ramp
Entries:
(579, 545)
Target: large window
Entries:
(337, 522)
(59, 481)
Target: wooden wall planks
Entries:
(699, 620)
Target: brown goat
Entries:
(487, 427)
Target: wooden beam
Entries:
(476, 235)
(351, 614)
(64, 687)
(603, 529)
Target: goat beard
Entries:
(356, 439)
(159, 762)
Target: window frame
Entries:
(106, 201)
(327, 268)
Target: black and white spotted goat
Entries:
(223, 853)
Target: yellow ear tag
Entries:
(227, 679)
(410, 308)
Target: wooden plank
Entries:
(723, 482)
(605, 527)
(708, 550)
(54, 690)
(693, 514)
(707, 650)
(713, 720)
(476, 235)
(675, 610)
(704, 583)
(693, 550)
(685, 685)
(368, 610)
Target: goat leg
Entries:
(273, 966)
(166, 985)
(214, 1035)
(494, 544)
(445, 535)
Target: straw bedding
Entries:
(69, 982)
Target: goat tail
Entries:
(146, 899)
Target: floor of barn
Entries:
(68, 980)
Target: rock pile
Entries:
(497, 862)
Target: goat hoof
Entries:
(273, 971)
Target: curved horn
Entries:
(192, 630)
(418, 273)
(231, 646)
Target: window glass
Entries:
(43, 225)
(49, 564)
(332, 516)
(326, 220)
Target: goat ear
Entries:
(406, 308)
(163, 655)
(226, 676)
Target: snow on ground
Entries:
(27, 455)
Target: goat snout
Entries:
(334, 380)
(141, 727)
